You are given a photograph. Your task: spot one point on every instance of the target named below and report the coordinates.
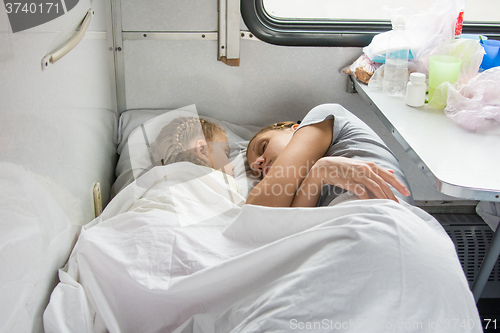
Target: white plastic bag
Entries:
(377, 79)
(473, 103)
(425, 30)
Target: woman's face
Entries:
(265, 149)
(219, 154)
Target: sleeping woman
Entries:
(330, 157)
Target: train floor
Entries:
(472, 238)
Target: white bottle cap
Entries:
(417, 78)
(399, 23)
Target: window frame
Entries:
(306, 32)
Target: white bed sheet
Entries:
(177, 251)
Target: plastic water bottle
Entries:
(396, 60)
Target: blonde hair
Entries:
(282, 125)
(171, 145)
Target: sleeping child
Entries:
(190, 139)
(331, 147)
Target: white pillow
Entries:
(135, 159)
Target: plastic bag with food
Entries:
(362, 69)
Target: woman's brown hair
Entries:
(282, 125)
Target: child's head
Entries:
(189, 139)
(268, 144)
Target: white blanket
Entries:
(178, 251)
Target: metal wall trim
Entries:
(116, 12)
(164, 35)
(181, 35)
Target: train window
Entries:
(347, 23)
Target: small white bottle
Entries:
(416, 89)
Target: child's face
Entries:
(265, 149)
(219, 154)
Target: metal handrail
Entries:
(70, 44)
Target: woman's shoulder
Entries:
(323, 112)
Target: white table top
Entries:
(463, 164)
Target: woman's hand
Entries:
(358, 177)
